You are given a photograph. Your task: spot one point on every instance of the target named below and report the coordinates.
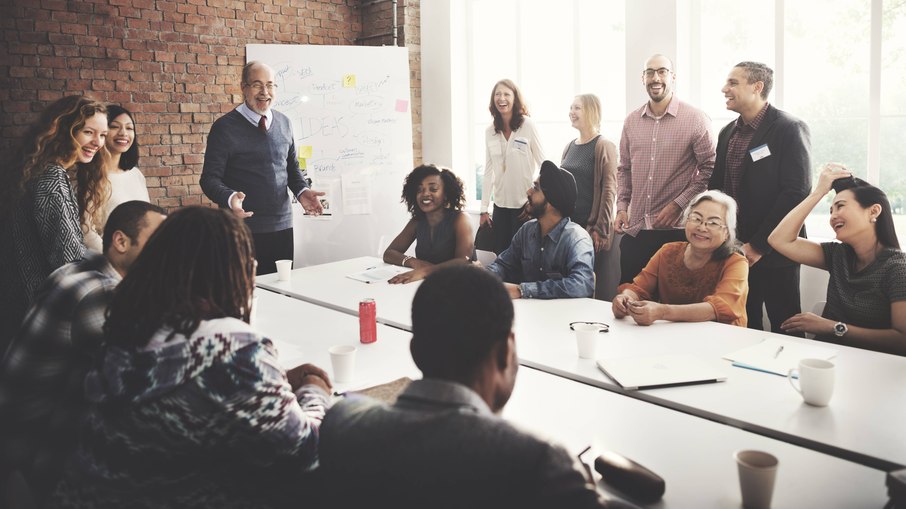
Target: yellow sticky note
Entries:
(302, 164)
(305, 151)
(348, 80)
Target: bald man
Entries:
(249, 164)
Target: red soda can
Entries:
(367, 321)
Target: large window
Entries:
(839, 65)
(553, 54)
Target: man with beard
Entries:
(764, 162)
(251, 153)
(666, 158)
(550, 256)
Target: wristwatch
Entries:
(840, 329)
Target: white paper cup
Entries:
(816, 381)
(757, 471)
(342, 358)
(586, 339)
(284, 268)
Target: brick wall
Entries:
(174, 63)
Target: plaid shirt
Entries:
(42, 372)
(662, 160)
(736, 150)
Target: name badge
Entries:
(759, 153)
(520, 144)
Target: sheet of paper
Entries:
(356, 194)
(378, 274)
(329, 203)
(778, 355)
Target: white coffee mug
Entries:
(587, 339)
(816, 381)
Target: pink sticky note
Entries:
(402, 105)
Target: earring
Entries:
(873, 220)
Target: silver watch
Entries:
(840, 329)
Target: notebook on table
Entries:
(653, 372)
(778, 355)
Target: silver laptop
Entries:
(654, 372)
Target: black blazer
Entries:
(771, 186)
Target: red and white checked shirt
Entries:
(663, 160)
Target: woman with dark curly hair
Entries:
(435, 198)
(51, 189)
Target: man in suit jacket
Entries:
(441, 444)
(764, 162)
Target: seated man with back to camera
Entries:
(441, 444)
(550, 256)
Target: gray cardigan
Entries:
(240, 157)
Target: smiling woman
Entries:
(443, 235)
(702, 279)
(123, 181)
(45, 214)
(514, 155)
(866, 292)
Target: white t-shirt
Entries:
(124, 186)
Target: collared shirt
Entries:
(662, 160)
(510, 165)
(42, 372)
(736, 150)
(434, 393)
(253, 117)
(439, 445)
(558, 265)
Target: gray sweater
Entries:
(240, 157)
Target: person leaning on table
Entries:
(440, 229)
(866, 290)
(702, 279)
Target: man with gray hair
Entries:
(763, 161)
(250, 162)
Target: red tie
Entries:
(262, 124)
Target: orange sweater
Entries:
(722, 283)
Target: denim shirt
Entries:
(560, 265)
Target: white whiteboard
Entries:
(350, 105)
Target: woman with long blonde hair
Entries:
(50, 190)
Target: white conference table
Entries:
(303, 332)
(693, 455)
(865, 421)
(327, 285)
